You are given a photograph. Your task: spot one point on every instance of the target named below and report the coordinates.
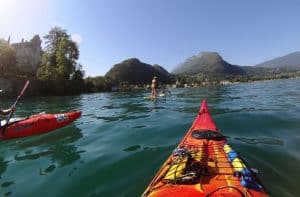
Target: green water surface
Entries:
(121, 140)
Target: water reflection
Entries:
(61, 149)
(4, 184)
(3, 166)
(65, 135)
(156, 104)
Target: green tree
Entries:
(59, 63)
(53, 37)
(96, 84)
(77, 81)
(8, 62)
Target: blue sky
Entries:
(163, 32)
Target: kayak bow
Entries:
(204, 164)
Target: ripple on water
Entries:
(120, 117)
(268, 141)
(139, 126)
(50, 168)
(108, 106)
(132, 148)
(8, 194)
(33, 156)
(7, 184)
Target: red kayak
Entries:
(37, 124)
(204, 164)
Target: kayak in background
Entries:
(36, 124)
(204, 164)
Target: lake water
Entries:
(121, 140)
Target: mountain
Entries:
(133, 71)
(287, 62)
(208, 63)
(160, 69)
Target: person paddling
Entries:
(11, 110)
(6, 112)
(154, 87)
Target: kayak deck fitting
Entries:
(37, 124)
(204, 164)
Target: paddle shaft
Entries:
(15, 104)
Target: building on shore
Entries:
(28, 55)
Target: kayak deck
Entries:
(37, 124)
(204, 164)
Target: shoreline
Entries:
(35, 86)
(141, 89)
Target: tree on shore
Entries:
(96, 84)
(8, 61)
(77, 81)
(59, 64)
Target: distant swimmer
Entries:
(162, 94)
(165, 93)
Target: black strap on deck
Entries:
(208, 135)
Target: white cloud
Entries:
(76, 38)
